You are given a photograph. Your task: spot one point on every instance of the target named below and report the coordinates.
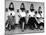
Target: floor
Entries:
(19, 31)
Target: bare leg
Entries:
(23, 26)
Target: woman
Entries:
(32, 20)
(22, 15)
(41, 19)
(11, 16)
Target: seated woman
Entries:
(11, 17)
(32, 21)
(31, 18)
(22, 15)
(40, 18)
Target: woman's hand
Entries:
(19, 16)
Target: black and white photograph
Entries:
(23, 17)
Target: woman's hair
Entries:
(23, 7)
(10, 13)
(12, 6)
(39, 11)
(39, 7)
(35, 12)
(32, 7)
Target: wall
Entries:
(27, 6)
